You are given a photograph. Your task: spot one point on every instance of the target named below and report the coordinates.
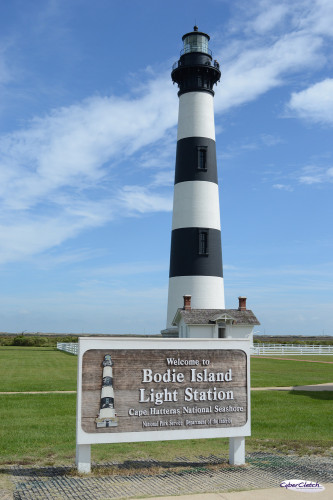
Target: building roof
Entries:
(210, 316)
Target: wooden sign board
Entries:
(162, 389)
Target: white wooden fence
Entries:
(257, 349)
(260, 349)
(71, 347)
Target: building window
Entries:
(202, 158)
(221, 332)
(203, 241)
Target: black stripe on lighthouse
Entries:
(196, 160)
(196, 252)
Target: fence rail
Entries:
(260, 349)
(71, 347)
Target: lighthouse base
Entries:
(106, 422)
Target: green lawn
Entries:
(275, 372)
(295, 420)
(41, 429)
(37, 428)
(36, 369)
(46, 369)
(309, 357)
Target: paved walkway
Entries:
(269, 493)
(182, 479)
(315, 387)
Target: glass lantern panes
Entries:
(196, 43)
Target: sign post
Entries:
(162, 389)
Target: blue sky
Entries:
(88, 117)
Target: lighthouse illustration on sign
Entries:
(196, 253)
(107, 415)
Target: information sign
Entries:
(160, 389)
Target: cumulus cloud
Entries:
(314, 103)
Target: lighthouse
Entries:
(107, 415)
(196, 253)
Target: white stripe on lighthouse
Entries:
(196, 204)
(207, 293)
(196, 115)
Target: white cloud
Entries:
(282, 38)
(52, 166)
(316, 175)
(137, 199)
(255, 70)
(311, 179)
(269, 17)
(317, 16)
(64, 165)
(270, 140)
(71, 146)
(314, 103)
(272, 16)
(283, 187)
(129, 268)
(164, 178)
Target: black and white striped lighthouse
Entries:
(107, 416)
(196, 254)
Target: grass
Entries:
(40, 429)
(280, 372)
(47, 369)
(36, 369)
(295, 421)
(37, 428)
(309, 357)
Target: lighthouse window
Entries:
(202, 158)
(203, 241)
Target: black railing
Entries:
(178, 64)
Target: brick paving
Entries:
(263, 470)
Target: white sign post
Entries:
(162, 389)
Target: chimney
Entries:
(241, 303)
(187, 302)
